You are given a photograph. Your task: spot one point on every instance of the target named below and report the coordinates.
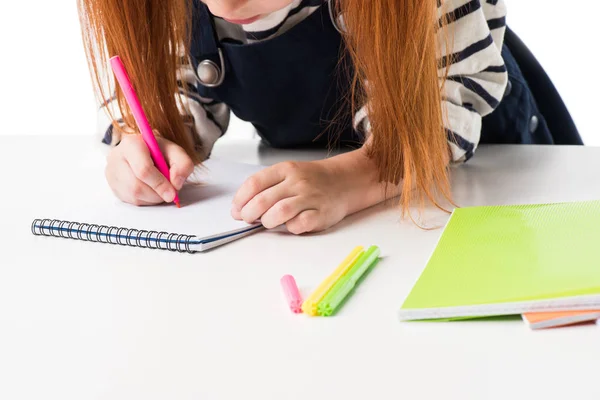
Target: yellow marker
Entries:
(309, 306)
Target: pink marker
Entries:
(140, 118)
(292, 294)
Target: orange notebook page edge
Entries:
(540, 320)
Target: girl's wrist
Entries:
(358, 177)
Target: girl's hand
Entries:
(309, 196)
(134, 179)
(305, 196)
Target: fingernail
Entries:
(168, 195)
(178, 182)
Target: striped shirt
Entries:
(475, 85)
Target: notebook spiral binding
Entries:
(113, 235)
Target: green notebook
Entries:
(503, 260)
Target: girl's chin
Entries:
(246, 21)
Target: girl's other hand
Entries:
(305, 196)
(134, 179)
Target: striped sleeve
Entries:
(477, 76)
(205, 119)
(209, 119)
(104, 126)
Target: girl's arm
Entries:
(477, 78)
(130, 171)
(312, 196)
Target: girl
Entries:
(406, 83)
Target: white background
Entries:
(45, 85)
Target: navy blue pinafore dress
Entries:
(293, 88)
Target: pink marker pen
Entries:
(292, 294)
(140, 118)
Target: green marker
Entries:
(344, 286)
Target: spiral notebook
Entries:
(203, 222)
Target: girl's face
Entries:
(244, 12)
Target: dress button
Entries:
(508, 89)
(534, 122)
(208, 72)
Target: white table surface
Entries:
(94, 321)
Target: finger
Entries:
(181, 165)
(138, 193)
(283, 211)
(143, 194)
(259, 204)
(255, 184)
(306, 221)
(131, 190)
(143, 168)
(142, 203)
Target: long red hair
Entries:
(394, 47)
